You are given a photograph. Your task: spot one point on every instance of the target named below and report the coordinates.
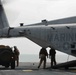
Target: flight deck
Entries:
(31, 69)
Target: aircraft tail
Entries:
(3, 19)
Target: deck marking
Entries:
(27, 70)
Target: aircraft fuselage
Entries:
(62, 38)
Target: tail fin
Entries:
(3, 19)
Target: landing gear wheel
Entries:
(7, 65)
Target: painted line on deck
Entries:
(27, 70)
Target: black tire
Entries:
(7, 65)
(13, 65)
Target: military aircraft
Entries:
(59, 34)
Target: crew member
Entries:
(52, 54)
(42, 55)
(16, 51)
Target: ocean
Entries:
(35, 58)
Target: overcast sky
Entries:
(33, 11)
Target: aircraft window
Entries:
(73, 51)
(53, 28)
(68, 27)
(72, 45)
(29, 31)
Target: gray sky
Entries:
(33, 11)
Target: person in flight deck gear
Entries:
(52, 54)
(17, 53)
(42, 55)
